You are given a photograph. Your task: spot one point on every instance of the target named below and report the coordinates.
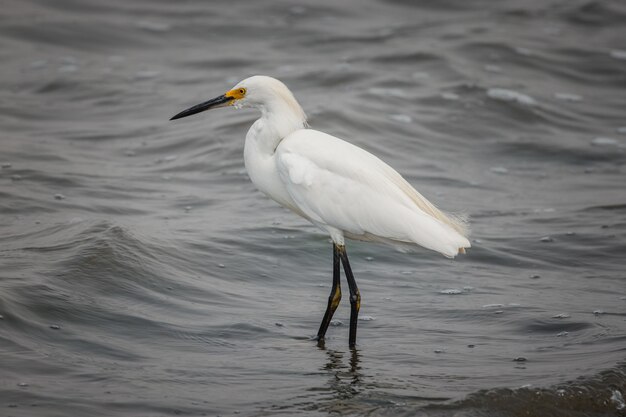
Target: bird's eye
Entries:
(242, 91)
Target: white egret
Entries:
(341, 188)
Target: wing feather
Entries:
(340, 185)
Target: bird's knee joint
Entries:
(355, 300)
(335, 298)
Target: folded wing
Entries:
(339, 185)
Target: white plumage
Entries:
(349, 192)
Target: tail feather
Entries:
(458, 222)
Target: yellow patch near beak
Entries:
(236, 94)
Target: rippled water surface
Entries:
(141, 274)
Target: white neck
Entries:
(278, 119)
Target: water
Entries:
(142, 275)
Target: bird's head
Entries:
(258, 91)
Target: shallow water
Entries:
(142, 274)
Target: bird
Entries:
(344, 190)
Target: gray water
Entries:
(143, 275)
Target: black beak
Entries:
(220, 101)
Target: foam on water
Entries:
(510, 95)
(604, 141)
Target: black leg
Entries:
(355, 296)
(334, 298)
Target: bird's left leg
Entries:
(355, 296)
(334, 298)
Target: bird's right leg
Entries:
(334, 298)
(355, 296)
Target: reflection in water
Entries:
(345, 380)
